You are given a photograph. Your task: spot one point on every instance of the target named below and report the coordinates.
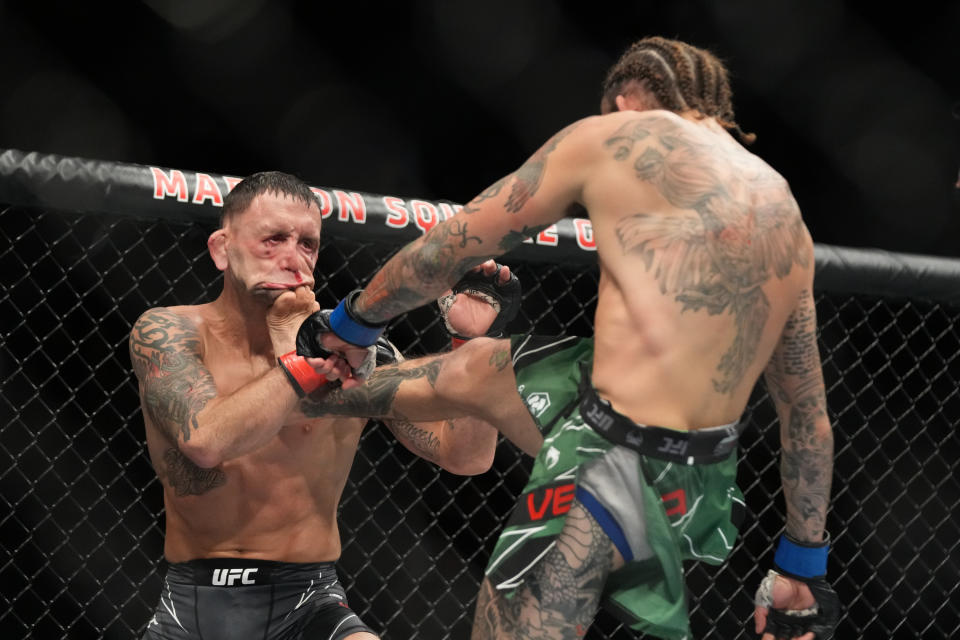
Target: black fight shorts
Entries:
(229, 599)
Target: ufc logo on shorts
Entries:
(634, 439)
(732, 436)
(598, 419)
(674, 447)
(226, 577)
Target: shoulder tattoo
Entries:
(175, 385)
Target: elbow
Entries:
(202, 454)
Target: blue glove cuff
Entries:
(802, 559)
(349, 328)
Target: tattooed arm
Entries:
(795, 382)
(473, 381)
(180, 399)
(516, 207)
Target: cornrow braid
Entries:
(680, 77)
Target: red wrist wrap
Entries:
(301, 375)
(457, 342)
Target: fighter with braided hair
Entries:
(706, 284)
(657, 73)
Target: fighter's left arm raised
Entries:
(516, 207)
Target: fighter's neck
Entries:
(239, 320)
(708, 122)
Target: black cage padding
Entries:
(85, 248)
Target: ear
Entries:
(217, 245)
(636, 97)
(629, 102)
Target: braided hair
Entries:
(679, 76)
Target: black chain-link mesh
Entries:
(81, 530)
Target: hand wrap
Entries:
(310, 346)
(301, 375)
(504, 297)
(806, 563)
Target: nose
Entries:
(287, 258)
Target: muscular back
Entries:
(703, 257)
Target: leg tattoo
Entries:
(561, 594)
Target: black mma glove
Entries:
(504, 297)
(308, 335)
(807, 563)
(387, 352)
(309, 345)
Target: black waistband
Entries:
(239, 572)
(702, 446)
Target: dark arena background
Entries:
(88, 245)
(122, 126)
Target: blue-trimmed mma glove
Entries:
(805, 562)
(504, 297)
(309, 345)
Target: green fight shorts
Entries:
(662, 496)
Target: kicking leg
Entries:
(560, 595)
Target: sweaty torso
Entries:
(276, 503)
(703, 254)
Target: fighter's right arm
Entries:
(516, 207)
(180, 397)
(795, 381)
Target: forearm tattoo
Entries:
(373, 399)
(807, 458)
(432, 265)
(164, 350)
(719, 260)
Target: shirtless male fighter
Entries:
(250, 484)
(706, 283)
